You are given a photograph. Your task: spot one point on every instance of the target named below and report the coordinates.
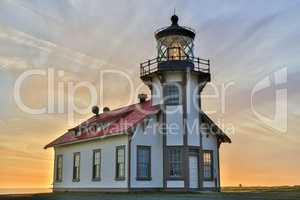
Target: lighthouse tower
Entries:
(176, 78)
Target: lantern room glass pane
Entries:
(175, 48)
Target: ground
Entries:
(253, 193)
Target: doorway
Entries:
(193, 171)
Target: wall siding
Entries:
(107, 147)
(174, 122)
(156, 95)
(173, 76)
(146, 136)
(175, 184)
(192, 111)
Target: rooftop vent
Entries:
(95, 110)
(106, 109)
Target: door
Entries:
(193, 171)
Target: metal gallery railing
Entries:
(150, 66)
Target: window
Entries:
(172, 94)
(77, 133)
(76, 167)
(175, 162)
(79, 130)
(96, 164)
(208, 165)
(120, 163)
(143, 162)
(59, 165)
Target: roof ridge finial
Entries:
(174, 18)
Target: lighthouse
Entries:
(165, 143)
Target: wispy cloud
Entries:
(49, 49)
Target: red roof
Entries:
(120, 121)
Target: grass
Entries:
(229, 193)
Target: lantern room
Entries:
(175, 42)
(175, 52)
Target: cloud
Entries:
(12, 62)
(48, 50)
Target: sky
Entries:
(247, 42)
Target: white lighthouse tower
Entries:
(176, 78)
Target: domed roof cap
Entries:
(175, 29)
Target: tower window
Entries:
(143, 162)
(175, 162)
(172, 94)
(208, 165)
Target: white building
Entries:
(166, 143)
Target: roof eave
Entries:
(219, 133)
(87, 140)
(224, 138)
